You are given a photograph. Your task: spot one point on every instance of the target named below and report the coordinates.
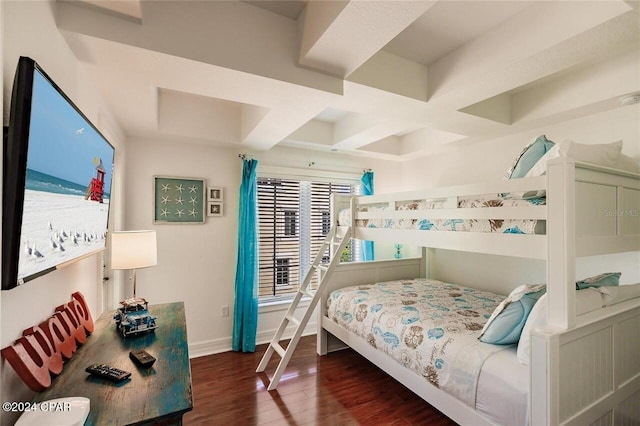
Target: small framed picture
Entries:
(214, 209)
(214, 193)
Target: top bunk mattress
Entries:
(426, 325)
(506, 226)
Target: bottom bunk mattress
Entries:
(432, 328)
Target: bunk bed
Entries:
(584, 366)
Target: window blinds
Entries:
(294, 218)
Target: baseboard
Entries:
(216, 346)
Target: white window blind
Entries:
(293, 220)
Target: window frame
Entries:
(296, 278)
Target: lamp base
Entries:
(133, 317)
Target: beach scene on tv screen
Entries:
(68, 181)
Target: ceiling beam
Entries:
(338, 36)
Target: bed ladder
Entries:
(335, 241)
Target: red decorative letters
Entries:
(39, 352)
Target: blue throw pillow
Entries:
(606, 279)
(529, 157)
(507, 321)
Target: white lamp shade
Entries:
(133, 249)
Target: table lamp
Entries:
(133, 250)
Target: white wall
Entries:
(29, 30)
(196, 263)
(489, 160)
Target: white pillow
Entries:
(537, 317)
(587, 300)
(628, 164)
(540, 168)
(616, 294)
(602, 154)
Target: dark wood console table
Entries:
(160, 394)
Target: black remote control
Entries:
(142, 358)
(106, 372)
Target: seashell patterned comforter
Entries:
(430, 327)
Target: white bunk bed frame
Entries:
(584, 369)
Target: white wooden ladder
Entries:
(335, 241)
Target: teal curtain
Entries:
(367, 189)
(245, 314)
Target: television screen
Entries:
(67, 178)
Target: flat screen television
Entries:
(56, 180)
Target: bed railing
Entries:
(587, 209)
(590, 210)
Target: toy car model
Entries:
(133, 317)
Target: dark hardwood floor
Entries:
(341, 388)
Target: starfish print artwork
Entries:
(179, 200)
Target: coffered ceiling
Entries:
(388, 79)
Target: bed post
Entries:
(322, 338)
(321, 333)
(425, 265)
(561, 250)
(561, 271)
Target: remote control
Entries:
(106, 372)
(142, 358)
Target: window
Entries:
(282, 272)
(326, 222)
(290, 224)
(293, 221)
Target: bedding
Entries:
(628, 164)
(587, 300)
(613, 295)
(503, 389)
(428, 326)
(603, 154)
(608, 155)
(602, 280)
(508, 226)
(529, 156)
(506, 322)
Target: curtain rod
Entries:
(322, 166)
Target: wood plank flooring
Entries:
(341, 388)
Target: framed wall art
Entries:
(178, 200)
(215, 193)
(214, 209)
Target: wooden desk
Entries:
(160, 394)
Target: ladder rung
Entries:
(305, 292)
(276, 346)
(290, 318)
(323, 267)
